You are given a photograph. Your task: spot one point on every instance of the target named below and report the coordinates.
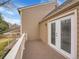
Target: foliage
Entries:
(3, 26)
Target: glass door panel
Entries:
(66, 35)
(53, 41)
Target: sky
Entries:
(11, 14)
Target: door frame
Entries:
(73, 55)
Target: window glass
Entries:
(53, 33)
(66, 35)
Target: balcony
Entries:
(32, 49)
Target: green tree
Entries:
(3, 26)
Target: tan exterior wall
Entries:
(44, 32)
(31, 18)
(43, 28)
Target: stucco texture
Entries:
(31, 18)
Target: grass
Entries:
(3, 43)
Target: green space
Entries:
(3, 43)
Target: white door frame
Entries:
(73, 54)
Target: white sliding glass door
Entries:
(55, 33)
(60, 35)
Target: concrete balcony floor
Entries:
(38, 50)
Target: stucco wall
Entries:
(32, 16)
(44, 31)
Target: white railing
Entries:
(17, 51)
